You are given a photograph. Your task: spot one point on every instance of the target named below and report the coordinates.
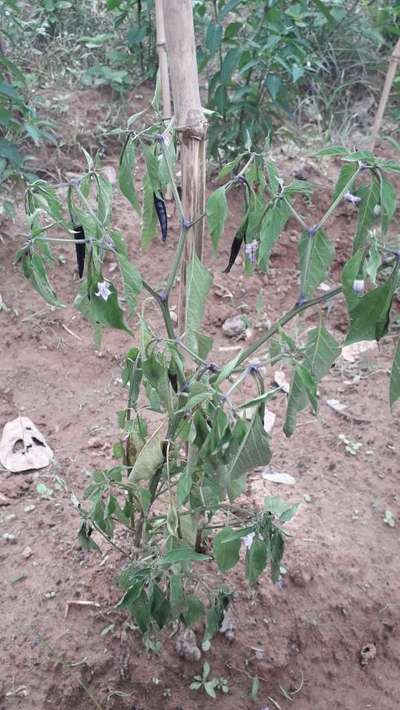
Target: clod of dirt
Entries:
(27, 553)
(186, 645)
(23, 447)
(228, 626)
(4, 500)
(235, 327)
(301, 576)
(367, 653)
(124, 655)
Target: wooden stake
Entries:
(391, 73)
(190, 124)
(163, 68)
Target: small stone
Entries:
(27, 553)
(4, 500)
(10, 537)
(29, 508)
(235, 327)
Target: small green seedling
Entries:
(209, 685)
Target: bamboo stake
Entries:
(163, 69)
(190, 124)
(391, 73)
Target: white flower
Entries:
(351, 198)
(359, 286)
(103, 290)
(251, 250)
(247, 540)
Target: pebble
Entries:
(235, 327)
(27, 553)
(29, 508)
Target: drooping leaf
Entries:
(132, 281)
(217, 210)
(199, 281)
(34, 269)
(281, 508)
(345, 179)
(256, 559)
(370, 197)
(160, 607)
(194, 610)
(271, 227)
(395, 376)
(303, 389)
(126, 177)
(252, 451)
(350, 272)
(149, 458)
(321, 352)
(226, 549)
(182, 554)
(369, 319)
(149, 216)
(316, 253)
(388, 202)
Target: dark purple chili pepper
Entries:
(236, 244)
(79, 234)
(161, 210)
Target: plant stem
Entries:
(177, 261)
(298, 308)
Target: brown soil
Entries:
(340, 592)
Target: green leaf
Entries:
(276, 547)
(273, 84)
(149, 459)
(132, 281)
(213, 37)
(370, 196)
(160, 607)
(256, 559)
(149, 216)
(252, 451)
(141, 613)
(344, 180)
(176, 593)
(369, 319)
(226, 549)
(198, 285)
(152, 167)
(302, 390)
(84, 538)
(279, 507)
(332, 151)
(350, 272)
(194, 610)
(131, 595)
(126, 178)
(395, 377)
(184, 486)
(104, 311)
(104, 199)
(388, 202)
(226, 9)
(228, 369)
(316, 254)
(321, 352)
(271, 227)
(217, 211)
(229, 64)
(182, 554)
(34, 268)
(255, 687)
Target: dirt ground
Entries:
(341, 589)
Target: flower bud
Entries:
(377, 210)
(359, 286)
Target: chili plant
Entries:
(189, 432)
